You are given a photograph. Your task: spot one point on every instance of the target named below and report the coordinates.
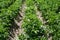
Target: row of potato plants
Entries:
(51, 13)
(5, 3)
(32, 26)
(8, 11)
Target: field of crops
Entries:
(34, 26)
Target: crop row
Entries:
(7, 15)
(31, 24)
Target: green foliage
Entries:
(50, 12)
(25, 37)
(8, 11)
(5, 3)
(30, 2)
(32, 25)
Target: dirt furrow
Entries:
(17, 29)
(39, 15)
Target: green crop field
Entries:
(44, 26)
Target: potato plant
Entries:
(8, 11)
(32, 25)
